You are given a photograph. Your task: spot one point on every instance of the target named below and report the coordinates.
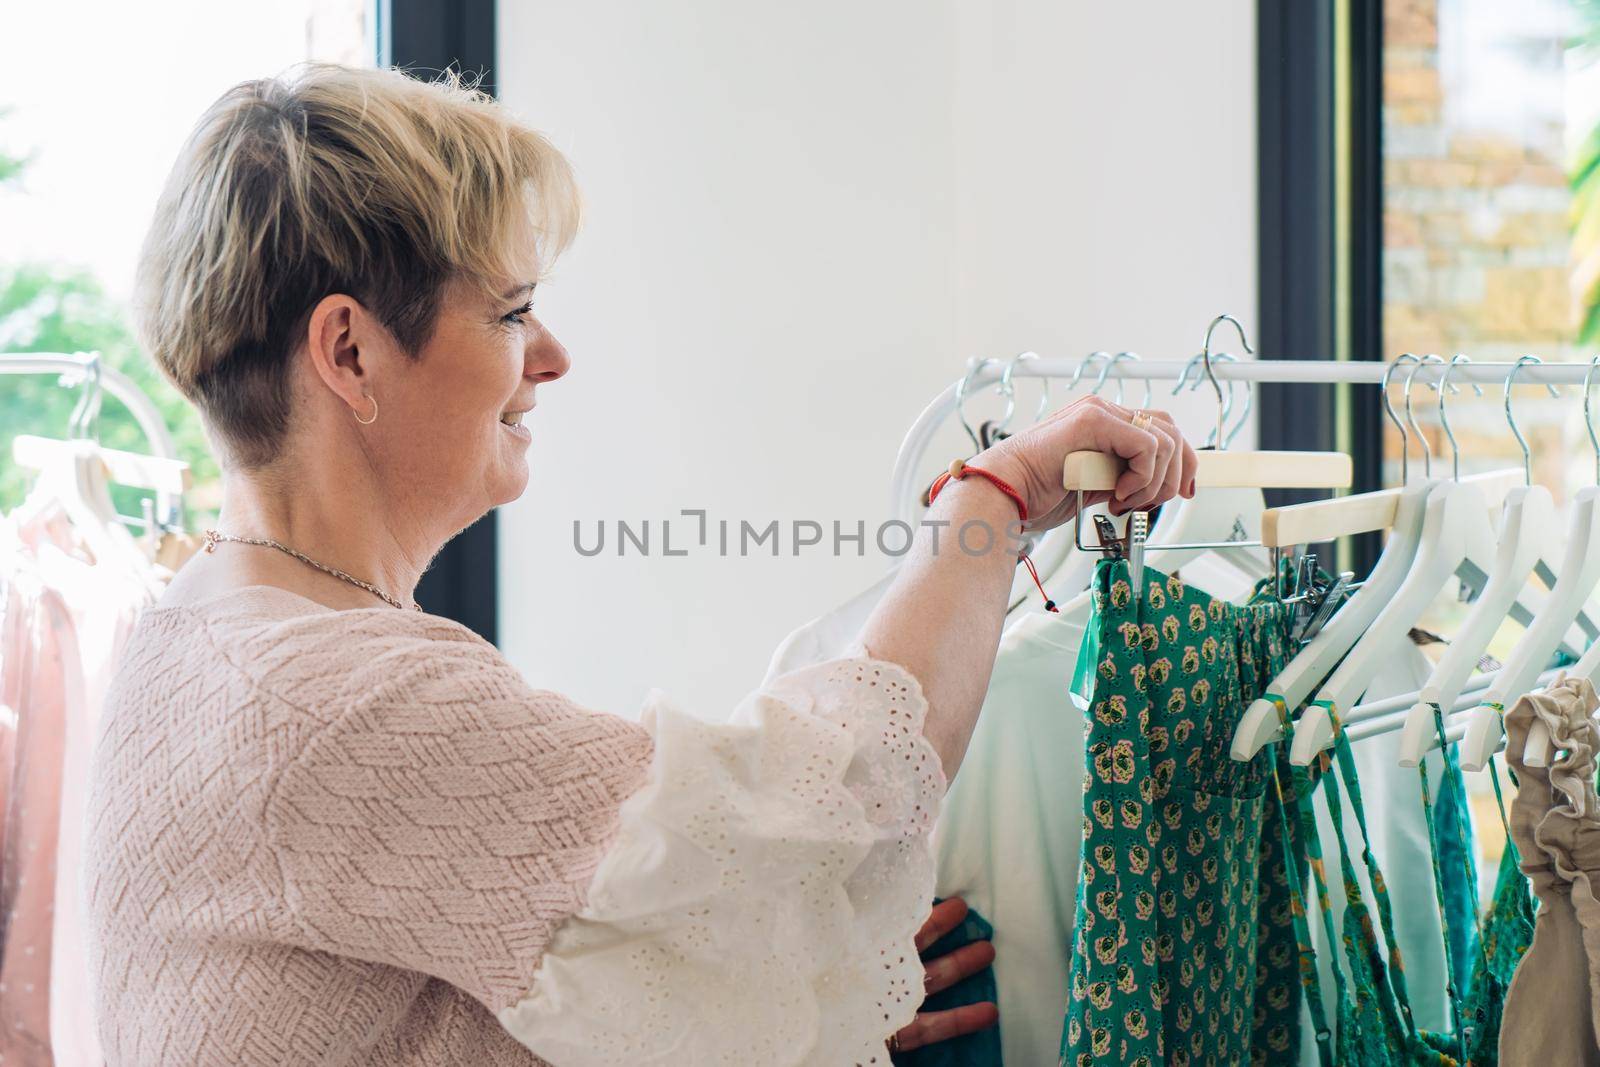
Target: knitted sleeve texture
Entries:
(450, 820)
(676, 890)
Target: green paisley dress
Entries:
(1375, 1026)
(1184, 947)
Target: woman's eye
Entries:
(517, 315)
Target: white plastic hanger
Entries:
(1522, 543)
(75, 476)
(1260, 725)
(1580, 570)
(1536, 752)
(1456, 541)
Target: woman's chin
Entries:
(509, 482)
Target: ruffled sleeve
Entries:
(760, 901)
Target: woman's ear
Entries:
(340, 343)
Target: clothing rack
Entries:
(88, 368)
(904, 488)
(81, 365)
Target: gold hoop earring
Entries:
(368, 422)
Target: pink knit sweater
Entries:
(360, 838)
(322, 837)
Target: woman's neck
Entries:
(330, 517)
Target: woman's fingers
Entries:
(1182, 472)
(945, 916)
(1172, 485)
(931, 1026)
(1157, 463)
(1191, 467)
(1166, 452)
(945, 971)
(1109, 427)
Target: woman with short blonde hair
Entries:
(327, 827)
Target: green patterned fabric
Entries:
(1507, 932)
(1499, 940)
(1458, 864)
(1371, 1007)
(1184, 948)
(1382, 974)
(1458, 970)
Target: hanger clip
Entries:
(1110, 541)
(1138, 534)
(1318, 606)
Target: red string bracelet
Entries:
(959, 470)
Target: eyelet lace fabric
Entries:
(761, 900)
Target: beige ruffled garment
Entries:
(1552, 1010)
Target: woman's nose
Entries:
(547, 358)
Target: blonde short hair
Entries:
(325, 180)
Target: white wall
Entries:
(801, 220)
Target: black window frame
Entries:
(1319, 85)
(429, 36)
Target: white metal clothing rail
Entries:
(112, 381)
(903, 489)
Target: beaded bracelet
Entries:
(959, 470)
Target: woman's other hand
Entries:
(942, 972)
(1160, 463)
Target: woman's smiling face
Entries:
(457, 418)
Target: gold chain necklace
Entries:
(212, 537)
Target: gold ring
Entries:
(1142, 420)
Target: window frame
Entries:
(463, 581)
(1319, 70)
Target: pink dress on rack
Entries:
(40, 694)
(66, 622)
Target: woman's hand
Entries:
(942, 972)
(1160, 464)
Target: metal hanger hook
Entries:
(974, 366)
(1227, 408)
(1388, 409)
(86, 414)
(1444, 420)
(1249, 402)
(1088, 361)
(1120, 356)
(1008, 390)
(1522, 442)
(1422, 439)
(1588, 418)
(1105, 373)
(1188, 369)
(1211, 376)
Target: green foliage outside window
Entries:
(53, 309)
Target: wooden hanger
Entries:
(1098, 471)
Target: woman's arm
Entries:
(941, 618)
